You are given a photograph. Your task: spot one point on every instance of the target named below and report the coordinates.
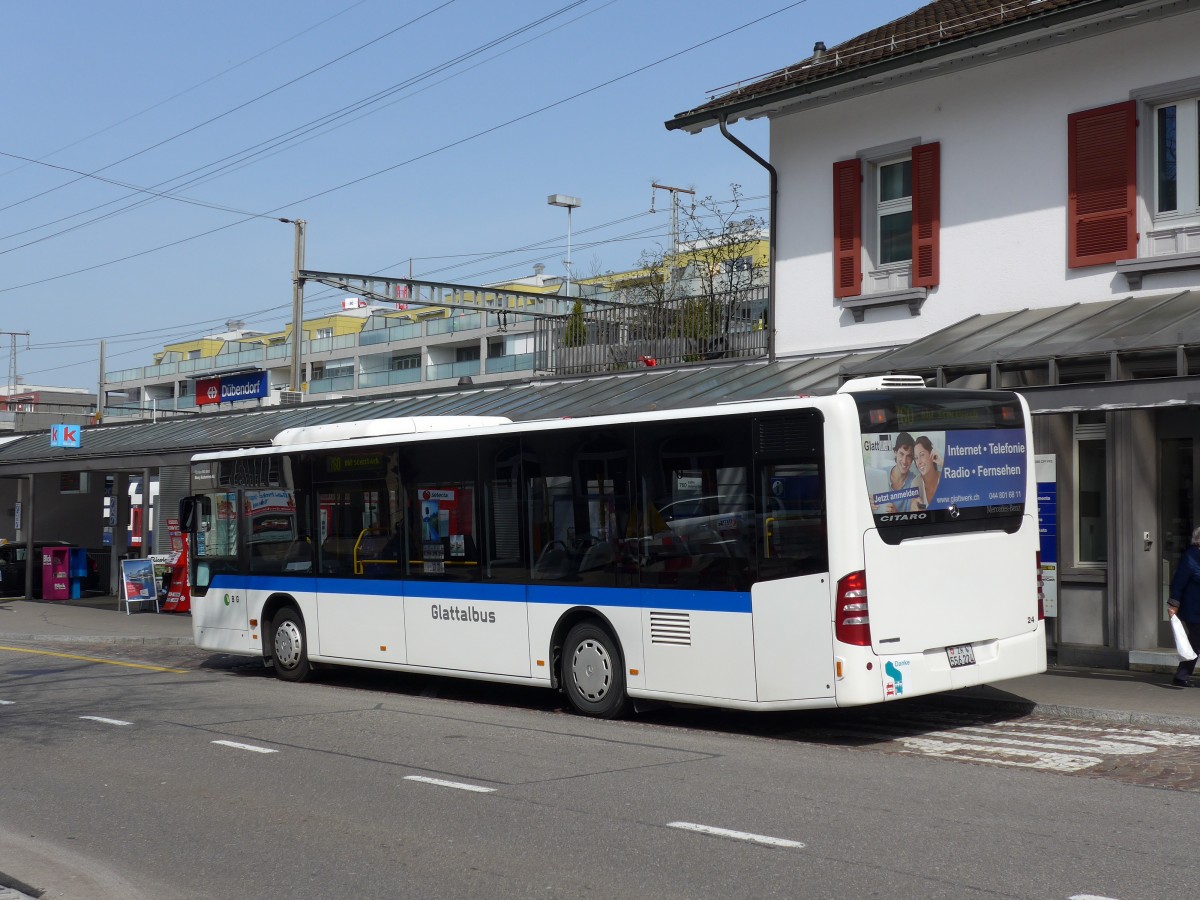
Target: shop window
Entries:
(1091, 495)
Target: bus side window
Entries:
(793, 521)
(577, 496)
(443, 540)
(696, 506)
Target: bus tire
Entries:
(289, 646)
(593, 673)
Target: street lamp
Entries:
(570, 203)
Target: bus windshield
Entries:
(952, 459)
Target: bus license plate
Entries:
(962, 655)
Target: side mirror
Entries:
(191, 509)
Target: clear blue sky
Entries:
(220, 103)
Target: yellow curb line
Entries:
(110, 662)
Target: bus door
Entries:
(360, 563)
(216, 570)
(456, 618)
(791, 598)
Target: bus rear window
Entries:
(944, 458)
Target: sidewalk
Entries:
(1118, 696)
(92, 620)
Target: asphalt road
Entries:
(201, 776)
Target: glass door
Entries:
(1179, 515)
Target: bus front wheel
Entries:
(289, 648)
(593, 673)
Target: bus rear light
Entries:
(1041, 588)
(852, 621)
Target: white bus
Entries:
(779, 554)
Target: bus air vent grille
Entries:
(671, 628)
(790, 434)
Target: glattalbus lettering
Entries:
(458, 614)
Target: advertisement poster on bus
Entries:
(933, 470)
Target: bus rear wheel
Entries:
(593, 673)
(289, 646)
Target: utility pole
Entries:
(675, 192)
(297, 303)
(12, 364)
(100, 392)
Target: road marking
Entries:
(450, 784)
(106, 721)
(7, 702)
(1090, 897)
(107, 662)
(736, 835)
(238, 746)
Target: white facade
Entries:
(1002, 127)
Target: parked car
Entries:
(12, 568)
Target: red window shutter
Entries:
(927, 213)
(847, 228)
(1101, 185)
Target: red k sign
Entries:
(208, 390)
(64, 435)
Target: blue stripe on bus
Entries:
(636, 598)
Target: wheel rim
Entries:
(592, 670)
(289, 644)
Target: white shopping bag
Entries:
(1182, 645)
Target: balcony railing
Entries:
(469, 322)
(388, 335)
(692, 329)
(517, 362)
(328, 385)
(451, 370)
(383, 379)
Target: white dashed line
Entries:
(736, 835)
(1090, 897)
(106, 721)
(250, 747)
(7, 702)
(450, 784)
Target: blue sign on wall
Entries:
(65, 435)
(251, 386)
(1045, 464)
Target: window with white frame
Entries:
(322, 333)
(893, 212)
(886, 219)
(1177, 162)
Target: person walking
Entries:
(1184, 602)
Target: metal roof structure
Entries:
(1128, 353)
(1160, 323)
(173, 441)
